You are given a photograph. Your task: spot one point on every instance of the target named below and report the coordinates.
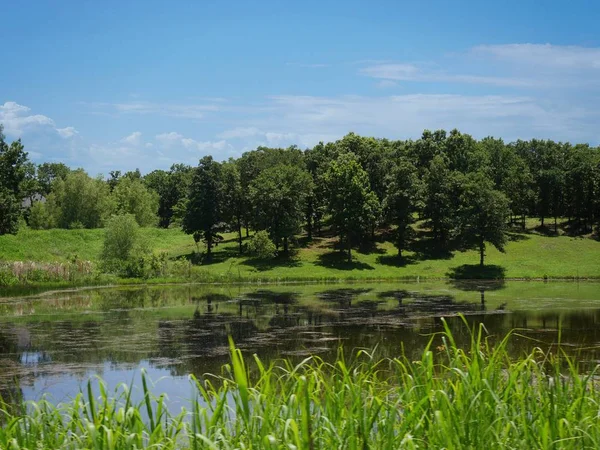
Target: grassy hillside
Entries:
(528, 255)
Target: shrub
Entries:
(39, 217)
(120, 239)
(261, 245)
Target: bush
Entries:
(120, 241)
(39, 216)
(261, 245)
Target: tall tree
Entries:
(352, 204)
(80, 201)
(402, 201)
(133, 197)
(483, 214)
(48, 172)
(279, 199)
(233, 200)
(203, 216)
(442, 189)
(13, 171)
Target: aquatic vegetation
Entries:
(452, 397)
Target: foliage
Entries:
(172, 188)
(121, 250)
(354, 208)
(80, 199)
(132, 197)
(13, 173)
(483, 214)
(402, 201)
(39, 216)
(261, 246)
(204, 213)
(447, 397)
(278, 197)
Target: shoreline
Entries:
(51, 288)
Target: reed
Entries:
(475, 397)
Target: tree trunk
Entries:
(481, 253)
(523, 221)
(542, 221)
(399, 252)
(555, 225)
(247, 231)
(285, 245)
(240, 237)
(349, 249)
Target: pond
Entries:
(52, 344)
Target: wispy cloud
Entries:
(134, 139)
(410, 72)
(546, 55)
(183, 111)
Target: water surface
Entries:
(51, 345)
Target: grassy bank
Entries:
(529, 255)
(451, 397)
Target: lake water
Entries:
(52, 344)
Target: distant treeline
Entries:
(466, 190)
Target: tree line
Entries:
(466, 192)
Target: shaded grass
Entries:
(528, 255)
(450, 397)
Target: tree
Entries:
(80, 201)
(203, 215)
(39, 217)
(13, 171)
(401, 201)
(442, 189)
(278, 198)
(172, 187)
(233, 200)
(483, 213)
(48, 172)
(132, 197)
(352, 204)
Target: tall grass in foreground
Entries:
(451, 398)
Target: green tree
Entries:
(80, 200)
(352, 204)
(203, 216)
(13, 172)
(442, 189)
(132, 197)
(278, 198)
(172, 187)
(483, 214)
(39, 217)
(233, 200)
(402, 201)
(48, 172)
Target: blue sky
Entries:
(119, 85)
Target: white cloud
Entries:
(384, 84)
(169, 139)
(547, 55)
(181, 111)
(409, 72)
(134, 139)
(67, 132)
(173, 139)
(16, 119)
(240, 132)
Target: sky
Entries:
(119, 85)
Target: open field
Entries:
(528, 255)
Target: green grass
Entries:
(528, 255)
(451, 397)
